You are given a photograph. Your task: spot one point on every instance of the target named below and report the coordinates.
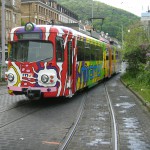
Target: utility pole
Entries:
(122, 36)
(3, 32)
(3, 39)
(92, 12)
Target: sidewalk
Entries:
(3, 83)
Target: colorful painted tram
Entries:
(54, 61)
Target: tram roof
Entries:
(60, 31)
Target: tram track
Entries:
(23, 106)
(19, 110)
(8, 108)
(113, 120)
(72, 130)
(23, 109)
(113, 125)
(17, 119)
(43, 115)
(86, 121)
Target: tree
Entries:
(135, 47)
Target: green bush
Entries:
(139, 83)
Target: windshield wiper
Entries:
(44, 59)
(13, 59)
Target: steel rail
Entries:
(65, 143)
(37, 109)
(5, 109)
(114, 133)
(19, 118)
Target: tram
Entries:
(54, 61)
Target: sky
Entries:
(134, 6)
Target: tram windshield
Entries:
(31, 51)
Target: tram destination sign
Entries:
(27, 36)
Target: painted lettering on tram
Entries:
(88, 73)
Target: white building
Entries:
(145, 18)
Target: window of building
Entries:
(44, 12)
(36, 7)
(14, 2)
(8, 15)
(36, 21)
(39, 9)
(14, 18)
(7, 32)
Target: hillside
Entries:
(114, 18)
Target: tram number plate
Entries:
(35, 92)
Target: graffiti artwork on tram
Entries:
(88, 73)
(27, 75)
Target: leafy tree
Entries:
(22, 22)
(135, 48)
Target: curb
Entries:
(146, 104)
(3, 83)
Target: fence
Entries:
(3, 69)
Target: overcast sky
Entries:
(134, 6)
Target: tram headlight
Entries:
(44, 78)
(10, 77)
(29, 26)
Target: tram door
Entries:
(71, 67)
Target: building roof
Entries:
(146, 14)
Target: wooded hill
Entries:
(114, 18)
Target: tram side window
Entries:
(101, 53)
(87, 52)
(112, 56)
(98, 53)
(59, 49)
(92, 52)
(113, 51)
(107, 54)
(117, 55)
(80, 55)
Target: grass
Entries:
(139, 87)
